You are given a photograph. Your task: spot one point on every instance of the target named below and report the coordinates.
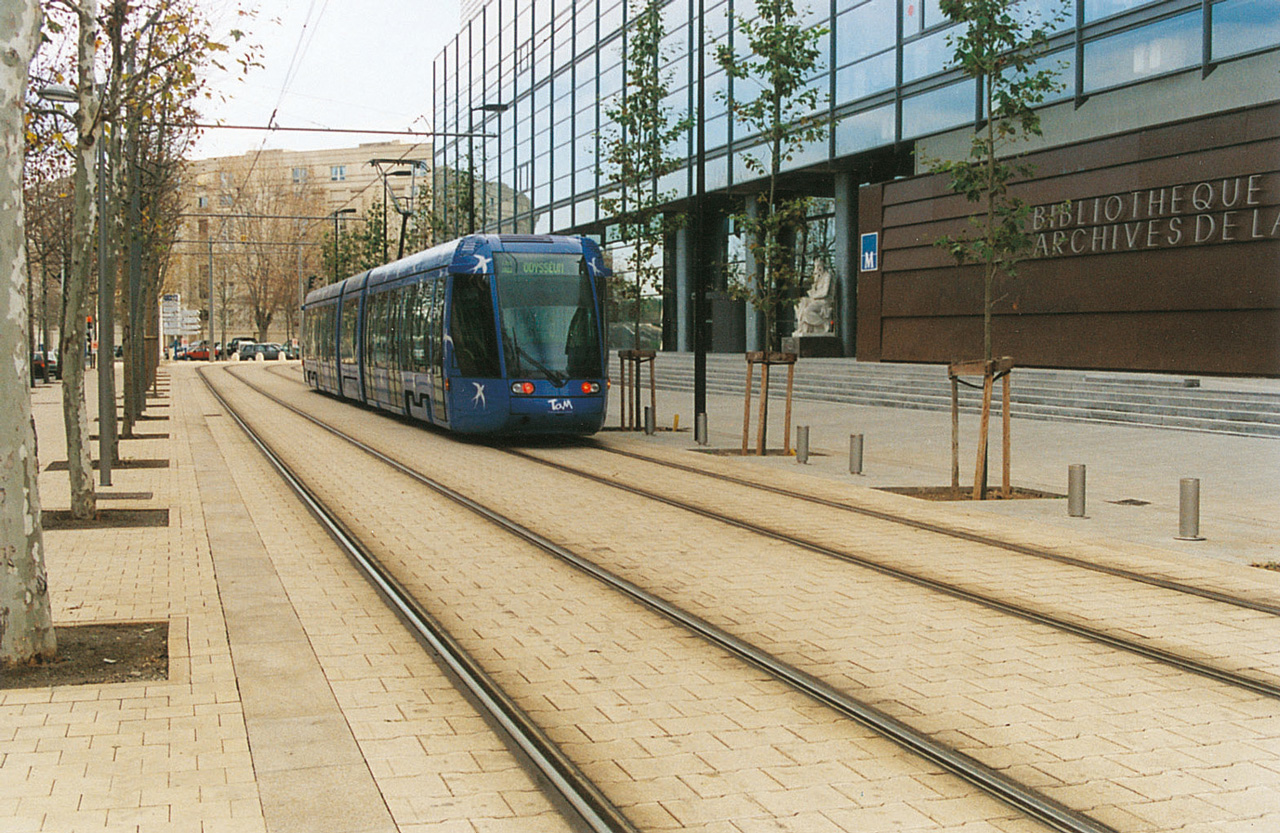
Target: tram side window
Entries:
(378, 335)
(328, 333)
(325, 332)
(417, 302)
(472, 328)
(435, 326)
(395, 301)
(350, 323)
(370, 328)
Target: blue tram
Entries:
(500, 334)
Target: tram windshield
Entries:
(548, 314)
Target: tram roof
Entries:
(448, 254)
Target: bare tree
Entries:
(26, 623)
(272, 243)
(48, 209)
(75, 415)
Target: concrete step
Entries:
(1174, 402)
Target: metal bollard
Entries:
(648, 421)
(855, 454)
(1189, 509)
(700, 429)
(1075, 490)
(802, 444)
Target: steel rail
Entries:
(972, 537)
(593, 808)
(1017, 795)
(1147, 651)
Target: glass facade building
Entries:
(557, 66)
(530, 81)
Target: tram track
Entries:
(1027, 800)
(594, 811)
(1167, 657)
(1258, 605)
(1137, 647)
(1210, 594)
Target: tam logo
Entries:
(560, 406)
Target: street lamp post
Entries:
(335, 238)
(471, 159)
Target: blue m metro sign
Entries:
(870, 252)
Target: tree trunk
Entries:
(26, 624)
(75, 414)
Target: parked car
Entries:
(292, 351)
(233, 346)
(198, 352)
(38, 366)
(51, 362)
(265, 351)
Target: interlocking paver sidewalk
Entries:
(259, 728)
(223, 746)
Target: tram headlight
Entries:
(525, 388)
(590, 387)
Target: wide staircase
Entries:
(1229, 406)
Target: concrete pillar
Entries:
(684, 290)
(845, 259)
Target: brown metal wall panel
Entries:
(869, 283)
(1185, 280)
(1228, 343)
(1169, 260)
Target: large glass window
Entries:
(865, 78)
(938, 110)
(1098, 9)
(865, 30)
(547, 308)
(1241, 26)
(1154, 49)
(925, 56)
(918, 15)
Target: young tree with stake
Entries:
(635, 150)
(783, 57)
(997, 46)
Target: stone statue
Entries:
(815, 310)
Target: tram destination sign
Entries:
(528, 263)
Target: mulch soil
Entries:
(126, 652)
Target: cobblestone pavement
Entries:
(296, 702)
(1090, 726)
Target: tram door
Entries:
(435, 329)
(391, 349)
(372, 335)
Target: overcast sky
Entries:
(359, 64)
